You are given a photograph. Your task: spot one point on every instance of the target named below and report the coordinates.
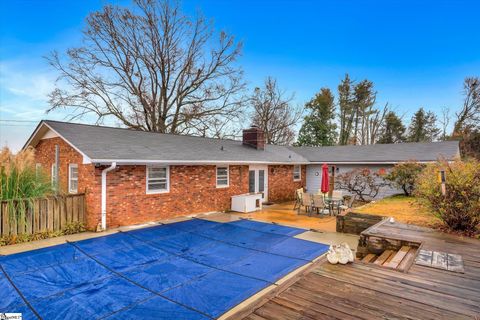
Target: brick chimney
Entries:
(254, 137)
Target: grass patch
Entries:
(402, 209)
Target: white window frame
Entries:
(38, 169)
(299, 172)
(54, 176)
(167, 180)
(70, 167)
(228, 176)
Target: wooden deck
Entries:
(366, 291)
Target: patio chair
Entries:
(298, 198)
(348, 205)
(319, 203)
(306, 202)
(337, 194)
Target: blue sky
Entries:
(416, 52)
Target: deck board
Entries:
(369, 291)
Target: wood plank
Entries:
(69, 209)
(82, 210)
(410, 292)
(369, 258)
(29, 220)
(36, 216)
(43, 215)
(56, 215)
(384, 256)
(439, 260)
(407, 260)
(455, 263)
(398, 257)
(75, 208)
(424, 258)
(391, 306)
(21, 219)
(63, 213)
(49, 215)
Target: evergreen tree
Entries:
(393, 130)
(347, 110)
(318, 128)
(423, 127)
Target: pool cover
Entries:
(194, 269)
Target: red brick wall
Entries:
(192, 188)
(88, 182)
(281, 186)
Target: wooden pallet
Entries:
(394, 259)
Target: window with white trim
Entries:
(222, 177)
(297, 172)
(158, 179)
(54, 175)
(38, 169)
(72, 178)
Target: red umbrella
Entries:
(325, 184)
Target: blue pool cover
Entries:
(196, 269)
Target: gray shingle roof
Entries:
(381, 152)
(103, 144)
(108, 143)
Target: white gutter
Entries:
(104, 193)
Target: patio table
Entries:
(333, 202)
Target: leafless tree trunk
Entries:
(274, 113)
(445, 121)
(151, 68)
(375, 123)
(469, 117)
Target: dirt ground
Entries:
(403, 209)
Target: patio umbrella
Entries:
(325, 184)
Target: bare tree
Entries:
(374, 123)
(274, 113)
(468, 118)
(444, 122)
(151, 68)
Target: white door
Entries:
(258, 180)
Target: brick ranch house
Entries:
(131, 177)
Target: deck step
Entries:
(407, 260)
(369, 258)
(397, 258)
(383, 257)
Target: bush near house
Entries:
(18, 177)
(19, 180)
(362, 182)
(459, 208)
(404, 176)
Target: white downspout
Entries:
(104, 194)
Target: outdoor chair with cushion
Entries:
(319, 203)
(298, 198)
(348, 205)
(306, 202)
(337, 194)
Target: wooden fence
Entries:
(43, 214)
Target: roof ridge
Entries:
(378, 144)
(135, 130)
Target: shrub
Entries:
(19, 180)
(459, 208)
(362, 182)
(74, 227)
(404, 176)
